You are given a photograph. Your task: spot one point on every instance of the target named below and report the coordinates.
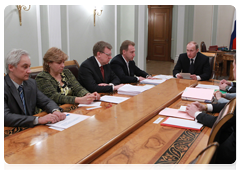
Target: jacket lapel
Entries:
(97, 69)
(14, 92)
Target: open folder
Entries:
(175, 113)
(198, 94)
(182, 123)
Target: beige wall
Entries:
(203, 24)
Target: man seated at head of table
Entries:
(21, 95)
(226, 152)
(60, 84)
(95, 73)
(124, 66)
(193, 62)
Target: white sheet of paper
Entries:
(93, 104)
(113, 99)
(70, 120)
(158, 120)
(183, 108)
(150, 81)
(207, 86)
(163, 76)
(185, 75)
(91, 108)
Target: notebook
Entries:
(175, 113)
(198, 94)
(182, 123)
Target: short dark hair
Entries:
(100, 46)
(125, 45)
(193, 42)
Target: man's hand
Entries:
(179, 76)
(49, 118)
(193, 77)
(192, 109)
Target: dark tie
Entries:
(191, 68)
(102, 71)
(20, 89)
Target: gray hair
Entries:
(14, 57)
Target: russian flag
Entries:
(233, 35)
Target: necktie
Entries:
(20, 89)
(191, 68)
(102, 71)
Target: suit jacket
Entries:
(232, 89)
(201, 66)
(119, 67)
(13, 108)
(89, 76)
(226, 152)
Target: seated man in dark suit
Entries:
(226, 152)
(95, 73)
(193, 62)
(124, 66)
(21, 95)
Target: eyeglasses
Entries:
(107, 54)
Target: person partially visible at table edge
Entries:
(60, 84)
(95, 73)
(201, 69)
(226, 152)
(21, 95)
(124, 66)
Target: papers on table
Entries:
(185, 75)
(163, 76)
(154, 82)
(70, 120)
(175, 113)
(93, 105)
(198, 94)
(182, 123)
(113, 99)
(129, 89)
(207, 86)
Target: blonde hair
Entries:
(53, 55)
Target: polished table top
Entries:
(88, 140)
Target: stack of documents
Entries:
(198, 94)
(70, 120)
(113, 99)
(131, 90)
(163, 76)
(175, 113)
(182, 123)
(207, 86)
(153, 81)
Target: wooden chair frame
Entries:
(206, 155)
(214, 70)
(225, 114)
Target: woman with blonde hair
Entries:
(60, 84)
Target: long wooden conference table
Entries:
(115, 133)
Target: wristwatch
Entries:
(55, 110)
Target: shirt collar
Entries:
(15, 84)
(99, 64)
(125, 60)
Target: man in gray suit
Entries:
(21, 95)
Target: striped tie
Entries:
(20, 89)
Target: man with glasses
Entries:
(95, 73)
(124, 66)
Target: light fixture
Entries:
(96, 11)
(19, 7)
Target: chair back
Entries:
(35, 71)
(72, 65)
(206, 156)
(203, 47)
(212, 61)
(225, 114)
